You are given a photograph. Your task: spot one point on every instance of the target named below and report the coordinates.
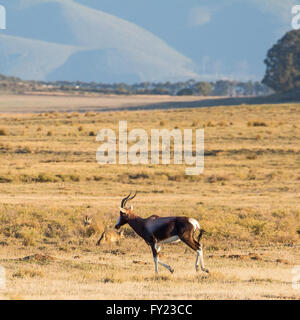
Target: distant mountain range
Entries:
(63, 40)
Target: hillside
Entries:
(69, 41)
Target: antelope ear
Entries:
(123, 210)
(88, 219)
(131, 207)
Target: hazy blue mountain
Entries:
(225, 38)
(107, 40)
(64, 40)
(113, 65)
(31, 59)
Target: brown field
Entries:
(43, 102)
(247, 199)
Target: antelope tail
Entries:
(202, 231)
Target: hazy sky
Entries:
(224, 37)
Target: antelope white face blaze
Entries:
(118, 222)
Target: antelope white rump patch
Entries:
(195, 223)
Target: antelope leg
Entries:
(157, 247)
(156, 264)
(155, 257)
(166, 266)
(200, 255)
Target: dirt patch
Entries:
(38, 257)
(116, 252)
(254, 256)
(139, 262)
(282, 261)
(250, 256)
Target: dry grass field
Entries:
(43, 102)
(247, 199)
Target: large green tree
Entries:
(283, 63)
(203, 88)
(222, 88)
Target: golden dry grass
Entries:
(247, 199)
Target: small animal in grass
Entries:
(96, 227)
(92, 226)
(110, 236)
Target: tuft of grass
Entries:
(222, 123)
(212, 248)
(25, 149)
(28, 235)
(141, 175)
(257, 227)
(251, 156)
(258, 280)
(216, 178)
(43, 177)
(159, 278)
(258, 137)
(210, 124)
(28, 273)
(74, 177)
(257, 124)
(5, 179)
(3, 132)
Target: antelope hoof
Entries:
(205, 270)
(171, 270)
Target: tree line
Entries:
(282, 75)
(183, 88)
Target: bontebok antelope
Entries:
(157, 230)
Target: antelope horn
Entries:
(123, 203)
(132, 196)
